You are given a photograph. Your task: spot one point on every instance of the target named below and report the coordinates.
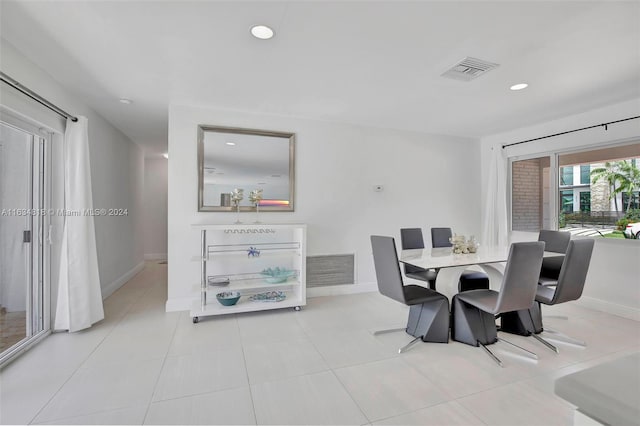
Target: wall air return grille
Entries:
(469, 69)
(330, 270)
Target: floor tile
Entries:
(344, 348)
(200, 373)
(229, 407)
(387, 388)
(104, 388)
(312, 399)
(206, 336)
(518, 404)
(123, 416)
(448, 413)
(270, 326)
(278, 360)
(474, 370)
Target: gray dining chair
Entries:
(474, 311)
(428, 310)
(469, 280)
(568, 287)
(557, 242)
(411, 238)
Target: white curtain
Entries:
(495, 227)
(79, 295)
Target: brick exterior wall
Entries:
(526, 195)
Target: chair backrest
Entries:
(555, 241)
(385, 260)
(411, 238)
(574, 271)
(440, 237)
(520, 280)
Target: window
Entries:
(566, 176)
(634, 203)
(585, 202)
(582, 189)
(566, 201)
(585, 174)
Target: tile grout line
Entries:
(246, 370)
(164, 360)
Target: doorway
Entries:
(24, 291)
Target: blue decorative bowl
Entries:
(228, 298)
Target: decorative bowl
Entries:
(277, 275)
(228, 298)
(218, 281)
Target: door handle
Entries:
(26, 236)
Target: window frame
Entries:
(554, 170)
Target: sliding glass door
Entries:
(23, 293)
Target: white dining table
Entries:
(490, 259)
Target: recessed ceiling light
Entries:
(262, 32)
(519, 86)
(126, 101)
(231, 143)
(166, 155)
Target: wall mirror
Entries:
(230, 158)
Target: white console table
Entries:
(240, 253)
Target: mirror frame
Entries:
(202, 128)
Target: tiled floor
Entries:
(321, 365)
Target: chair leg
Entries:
(561, 337)
(531, 354)
(493, 357)
(547, 344)
(408, 345)
(390, 330)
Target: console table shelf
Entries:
(240, 253)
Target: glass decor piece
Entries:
(269, 296)
(255, 197)
(237, 195)
(277, 275)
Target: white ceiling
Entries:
(365, 62)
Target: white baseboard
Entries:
(610, 308)
(182, 304)
(155, 256)
(335, 290)
(109, 289)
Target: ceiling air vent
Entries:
(469, 68)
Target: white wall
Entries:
(117, 167)
(613, 285)
(429, 180)
(155, 208)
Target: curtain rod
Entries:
(605, 125)
(33, 95)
